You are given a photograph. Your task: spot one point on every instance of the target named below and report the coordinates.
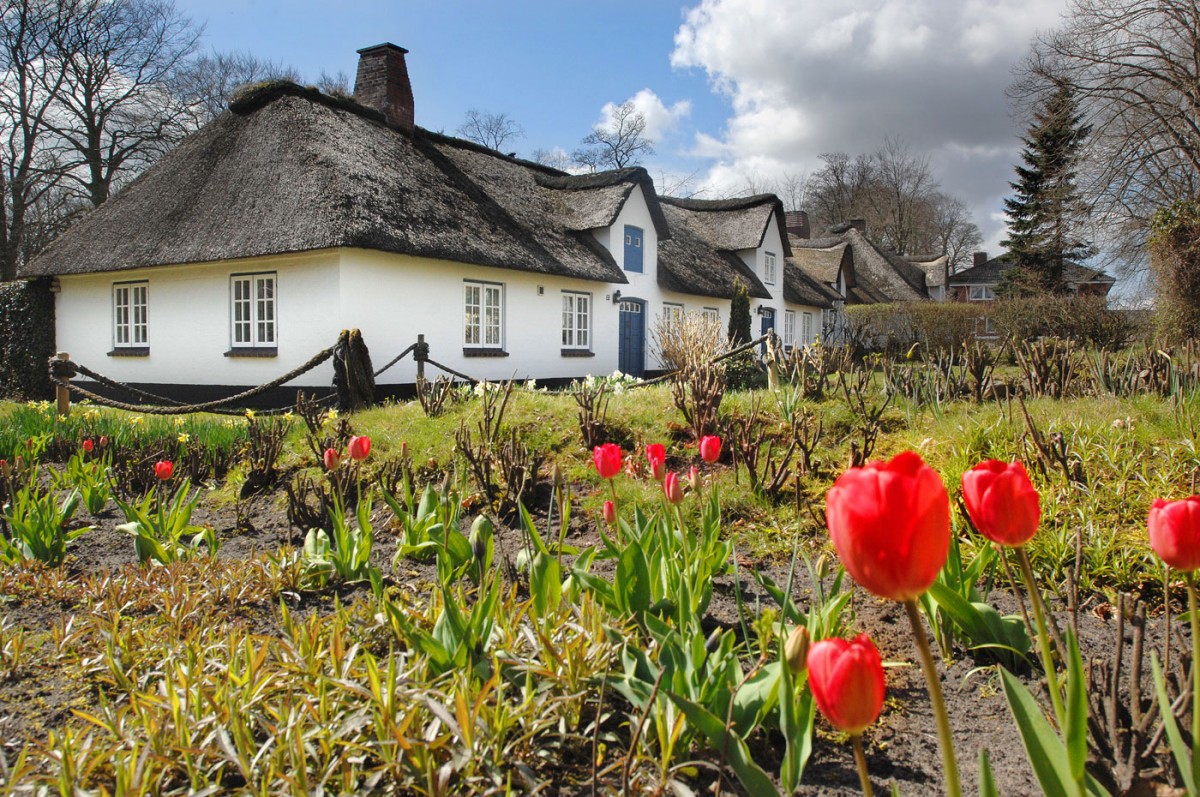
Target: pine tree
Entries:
(739, 316)
(1043, 216)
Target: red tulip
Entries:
(846, 679)
(610, 512)
(1175, 532)
(608, 460)
(332, 459)
(359, 448)
(890, 524)
(656, 455)
(672, 488)
(163, 469)
(1002, 502)
(710, 448)
(88, 445)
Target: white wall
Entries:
(393, 298)
(188, 321)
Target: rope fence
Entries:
(354, 379)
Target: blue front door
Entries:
(631, 357)
(768, 325)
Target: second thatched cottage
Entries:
(296, 214)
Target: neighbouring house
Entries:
(981, 281)
(937, 274)
(296, 214)
(852, 269)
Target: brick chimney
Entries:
(978, 259)
(859, 224)
(382, 83)
(797, 223)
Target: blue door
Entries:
(631, 350)
(768, 325)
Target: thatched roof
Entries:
(991, 272)
(735, 224)
(872, 275)
(288, 169)
(690, 263)
(934, 268)
(800, 288)
(820, 258)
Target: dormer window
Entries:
(633, 248)
(769, 268)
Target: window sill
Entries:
(578, 353)
(263, 351)
(130, 351)
(480, 352)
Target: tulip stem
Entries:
(860, 759)
(929, 666)
(1191, 588)
(1039, 615)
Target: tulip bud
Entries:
(608, 460)
(1001, 502)
(163, 469)
(694, 477)
(482, 533)
(710, 448)
(88, 445)
(103, 440)
(847, 683)
(332, 459)
(359, 447)
(556, 477)
(795, 650)
(656, 455)
(610, 512)
(5, 468)
(672, 488)
(714, 640)
(404, 451)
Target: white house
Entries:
(296, 214)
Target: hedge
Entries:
(941, 326)
(26, 339)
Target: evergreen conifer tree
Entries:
(1043, 215)
(739, 316)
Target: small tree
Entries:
(619, 143)
(1175, 261)
(739, 316)
(492, 130)
(1044, 214)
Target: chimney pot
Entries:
(382, 83)
(979, 258)
(797, 223)
(860, 225)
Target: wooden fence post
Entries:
(61, 393)
(420, 358)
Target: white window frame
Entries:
(254, 310)
(484, 330)
(576, 320)
(711, 314)
(769, 268)
(806, 328)
(131, 304)
(981, 293)
(672, 311)
(789, 327)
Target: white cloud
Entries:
(811, 76)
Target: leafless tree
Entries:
(115, 112)
(206, 83)
(839, 190)
(1133, 67)
(618, 143)
(902, 187)
(492, 130)
(554, 158)
(336, 83)
(955, 235)
(33, 74)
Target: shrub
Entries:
(1174, 257)
(739, 316)
(26, 338)
(895, 328)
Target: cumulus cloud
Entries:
(661, 119)
(809, 76)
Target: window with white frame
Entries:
(130, 302)
(672, 312)
(576, 320)
(483, 315)
(769, 268)
(806, 328)
(252, 311)
(981, 293)
(712, 314)
(789, 327)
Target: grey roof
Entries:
(690, 263)
(735, 224)
(801, 288)
(992, 271)
(934, 268)
(288, 169)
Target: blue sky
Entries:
(738, 92)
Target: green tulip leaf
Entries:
(1179, 750)
(724, 739)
